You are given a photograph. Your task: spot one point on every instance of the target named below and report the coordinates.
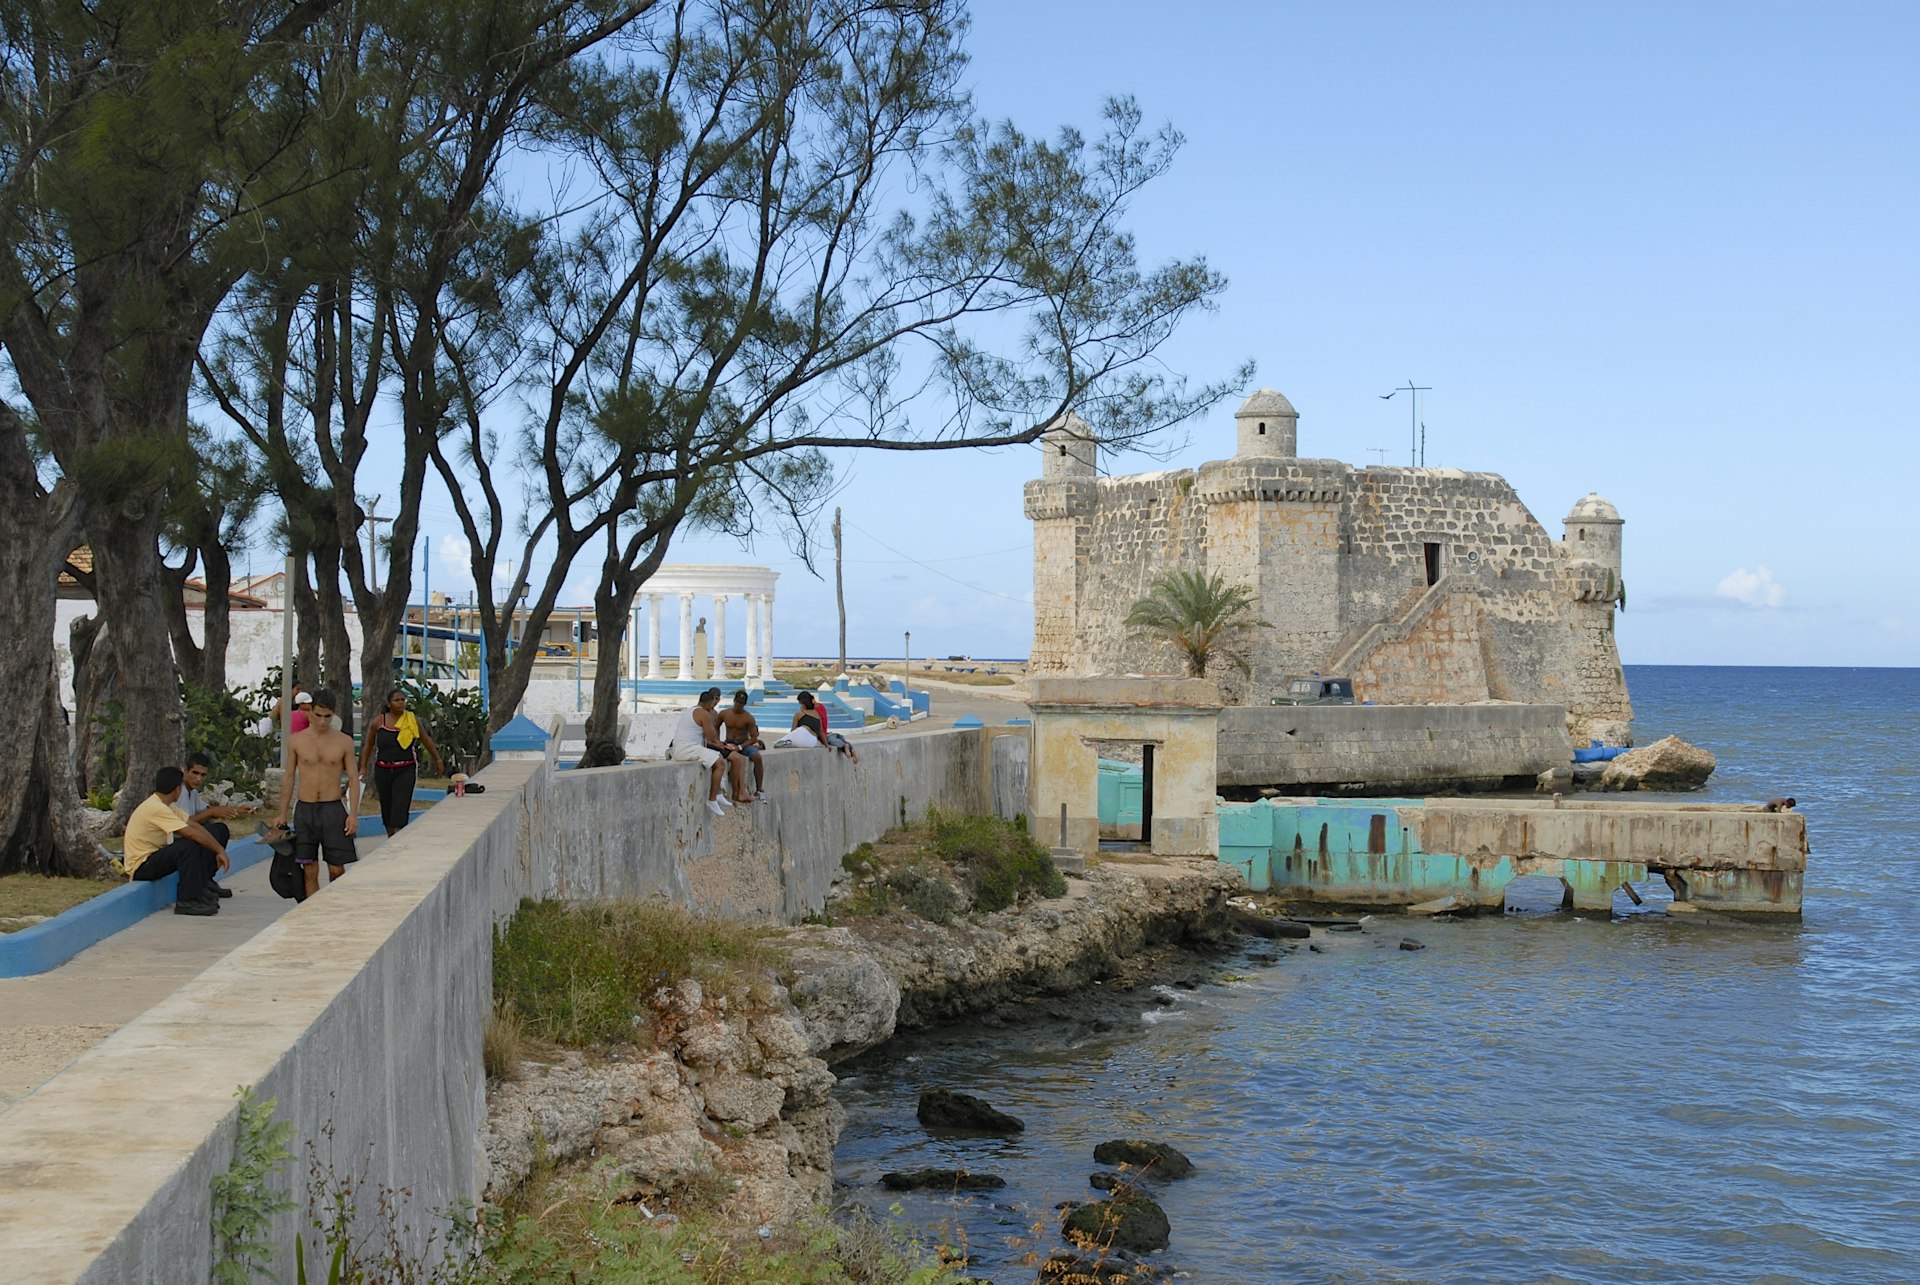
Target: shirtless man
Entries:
(740, 732)
(320, 758)
(697, 740)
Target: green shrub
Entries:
(926, 893)
(220, 724)
(1000, 861)
(580, 974)
(456, 720)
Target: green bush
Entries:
(926, 893)
(999, 860)
(580, 974)
(220, 724)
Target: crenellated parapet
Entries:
(1070, 498)
(1272, 479)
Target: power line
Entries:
(937, 571)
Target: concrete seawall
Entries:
(1390, 749)
(362, 1011)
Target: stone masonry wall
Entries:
(1332, 552)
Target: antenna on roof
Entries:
(1415, 454)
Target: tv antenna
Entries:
(1415, 454)
(1379, 454)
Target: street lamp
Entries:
(906, 664)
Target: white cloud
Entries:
(453, 562)
(1754, 588)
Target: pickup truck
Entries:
(1316, 691)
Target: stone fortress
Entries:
(1423, 585)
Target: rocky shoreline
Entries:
(743, 1090)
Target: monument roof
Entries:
(1592, 508)
(1267, 402)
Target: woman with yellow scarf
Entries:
(389, 751)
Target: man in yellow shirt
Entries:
(161, 841)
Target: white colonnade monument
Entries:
(720, 583)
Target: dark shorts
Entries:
(747, 748)
(319, 830)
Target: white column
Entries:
(686, 637)
(720, 637)
(753, 635)
(766, 638)
(653, 635)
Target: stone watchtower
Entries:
(1062, 503)
(1593, 551)
(1269, 426)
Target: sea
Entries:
(1533, 1097)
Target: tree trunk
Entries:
(40, 825)
(96, 740)
(187, 654)
(306, 623)
(217, 620)
(612, 605)
(336, 668)
(126, 562)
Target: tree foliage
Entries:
(1201, 616)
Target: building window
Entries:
(1263, 429)
(1433, 563)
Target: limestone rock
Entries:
(1150, 1158)
(1667, 764)
(847, 1000)
(1438, 906)
(1411, 943)
(946, 1109)
(1132, 1221)
(941, 1180)
(1271, 928)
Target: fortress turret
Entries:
(1069, 449)
(1593, 533)
(1268, 426)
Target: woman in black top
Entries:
(392, 752)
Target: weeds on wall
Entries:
(949, 865)
(245, 1197)
(580, 974)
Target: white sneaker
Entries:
(713, 806)
(723, 800)
(762, 797)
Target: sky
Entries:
(1663, 252)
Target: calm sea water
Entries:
(1534, 1098)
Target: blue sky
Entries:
(1665, 252)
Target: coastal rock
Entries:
(1438, 906)
(1117, 1183)
(1667, 764)
(941, 1180)
(1145, 1158)
(1410, 943)
(1063, 1268)
(847, 998)
(946, 1109)
(1269, 927)
(1132, 1220)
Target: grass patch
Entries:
(580, 974)
(579, 1232)
(502, 1044)
(48, 895)
(946, 866)
(999, 861)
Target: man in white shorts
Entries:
(698, 740)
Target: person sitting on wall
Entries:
(809, 707)
(697, 739)
(740, 733)
(210, 817)
(160, 841)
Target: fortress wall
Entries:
(1439, 662)
(1391, 748)
(1141, 528)
(1487, 535)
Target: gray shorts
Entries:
(319, 830)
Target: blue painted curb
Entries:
(53, 943)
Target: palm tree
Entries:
(1200, 616)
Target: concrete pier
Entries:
(1396, 852)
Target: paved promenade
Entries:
(48, 1020)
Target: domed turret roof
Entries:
(1266, 402)
(1593, 509)
(1068, 425)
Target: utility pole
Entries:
(1415, 447)
(375, 521)
(839, 591)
